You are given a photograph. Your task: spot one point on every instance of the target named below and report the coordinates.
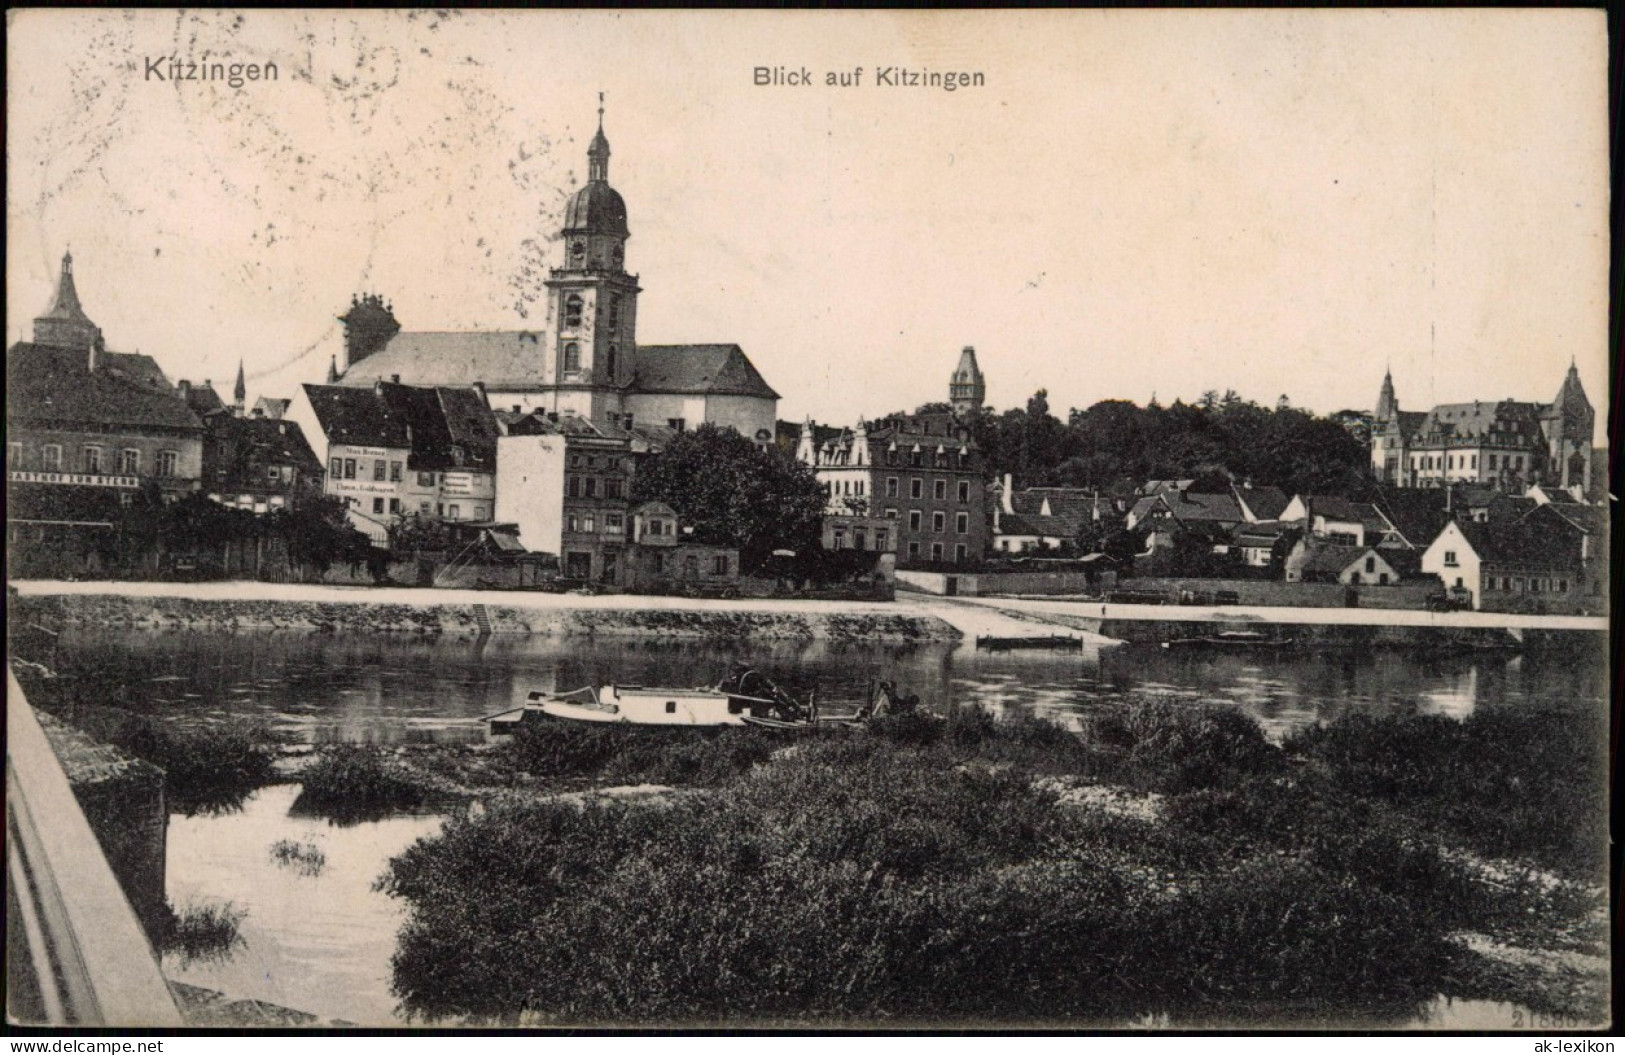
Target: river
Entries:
(321, 942)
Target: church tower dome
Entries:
(597, 208)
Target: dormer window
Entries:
(573, 306)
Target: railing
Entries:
(83, 958)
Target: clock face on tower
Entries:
(578, 250)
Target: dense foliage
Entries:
(732, 493)
(349, 784)
(945, 869)
(1115, 441)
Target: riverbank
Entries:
(284, 606)
(1024, 874)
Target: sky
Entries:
(1132, 202)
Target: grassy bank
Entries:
(1168, 861)
(372, 612)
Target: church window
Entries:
(619, 253)
(609, 363)
(614, 319)
(572, 309)
(572, 357)
(578, 250)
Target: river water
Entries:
(321, 942)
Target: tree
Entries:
(319, 534)
(732, 493)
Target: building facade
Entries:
(80, 416)
(1506, 444)
(586, 360)
(921, 474)
(393, 451)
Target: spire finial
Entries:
(600, 111)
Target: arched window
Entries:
(572, 310)
(614, 320)
(572, 357)
(609, 362)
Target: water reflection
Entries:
(314, 940)
(381, 688)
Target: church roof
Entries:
(47, 383)
(698, 369)
(596, 208)
(66, 307)
(967, 373)
(503, 359)
(507, 360)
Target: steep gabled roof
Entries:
(699, 369)
(1189, 506)
(263, 441)
(357, 416)
(45, 383)
(1069, 509)
(1265, 503)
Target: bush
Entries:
(350, 784)
(207, 769)
(1163, 745)
(207, 932)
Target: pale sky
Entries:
(1134, 202)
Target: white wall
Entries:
(1451, 540)
(530, 489)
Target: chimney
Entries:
(1005, 500)
(97, 350)
(184, 387)
(394, 379)
(479, 388)
(378, 388)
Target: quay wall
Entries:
(558, 618)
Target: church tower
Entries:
(966, 388)
(1387, 405)
(66, 325)
(1569, 424)
(592, 300)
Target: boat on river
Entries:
(1237, 640)
(744, 698)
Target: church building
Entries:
(1507, 445)
(586, 361)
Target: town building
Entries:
(1338, 520)
(1529, 565)
(919, 474)
(566, 484)
(257, 463)
(393, 451)
(1506, 444)
(585, 360)
(1317, 560)
(86, 429)
(1047, 518)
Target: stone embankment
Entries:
(468, 614)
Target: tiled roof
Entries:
(275, 442)
(512, 360)
(709, 369)
(1070, 508)
(1522, 542)
(1418, 514)
(503, 359)
(202, 398)
(1014, 524)
(1265, 503)
(1332, 558)
(356, 416)
(1189, 506)
(1263, 533)
(1481, 420)
(50, 384)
